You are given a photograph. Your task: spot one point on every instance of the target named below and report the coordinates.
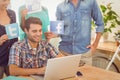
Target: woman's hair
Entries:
(32, 20)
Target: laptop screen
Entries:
(62, 67)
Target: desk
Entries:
(107, 46)
(110, 49)
(94, 73)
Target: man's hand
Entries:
(93, 47)
(23, 14)
(50, 35)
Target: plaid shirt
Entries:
(22, 55)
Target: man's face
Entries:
(34, 34)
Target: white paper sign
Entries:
(12, 30)
(33, 6)
(57, 27)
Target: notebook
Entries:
(63, 67)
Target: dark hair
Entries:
(32, 20)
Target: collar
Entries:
(32, 50)
(29, 46)
(41, 45)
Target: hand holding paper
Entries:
(57, 27)
(12, 30)
(33, 6)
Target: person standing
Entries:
(77, 16)
(7, 16)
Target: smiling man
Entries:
(30, 55)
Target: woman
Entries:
(41, 14)
(7, 16)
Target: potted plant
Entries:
(110, 17)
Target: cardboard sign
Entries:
(57, 27)
(12, 30)
(33, 6)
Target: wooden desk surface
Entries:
(94, 73)
(107, 46)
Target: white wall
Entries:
(51, 5)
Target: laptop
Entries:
(62, 67)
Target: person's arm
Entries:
(23, 14)
(94, 45)
(17, 71)
(98, 19)
(98, 36)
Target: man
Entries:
(77, 16)
(30, 55)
